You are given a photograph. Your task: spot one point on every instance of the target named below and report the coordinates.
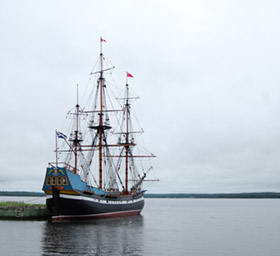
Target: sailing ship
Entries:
(98, 176)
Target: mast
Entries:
(100, 130)
(101, 126)
(126, 137)
(56, 150)
(76, 136)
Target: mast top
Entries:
(102, 40)
(77, 105)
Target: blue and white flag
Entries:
(60, 135)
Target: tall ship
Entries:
(98, 171)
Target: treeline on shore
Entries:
(218, 195)
(170, 195)
(20, 193)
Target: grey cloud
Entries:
(206, 72)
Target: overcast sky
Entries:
(207, 73)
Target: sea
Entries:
(171, 227)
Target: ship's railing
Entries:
(64, 164)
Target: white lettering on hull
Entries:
(101, 201)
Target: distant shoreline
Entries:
(171, 195)
(217, 195)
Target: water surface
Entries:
(195, 227)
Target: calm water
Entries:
(194, 227)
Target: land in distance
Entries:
(170, 195)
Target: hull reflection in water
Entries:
(118, 236)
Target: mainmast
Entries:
(101, 128)
(101, 109)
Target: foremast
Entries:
(129, 141)
(127, 115)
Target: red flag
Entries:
(102, 40)
(128, 74)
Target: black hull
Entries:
(80, 206)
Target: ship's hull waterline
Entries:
(68, 207)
